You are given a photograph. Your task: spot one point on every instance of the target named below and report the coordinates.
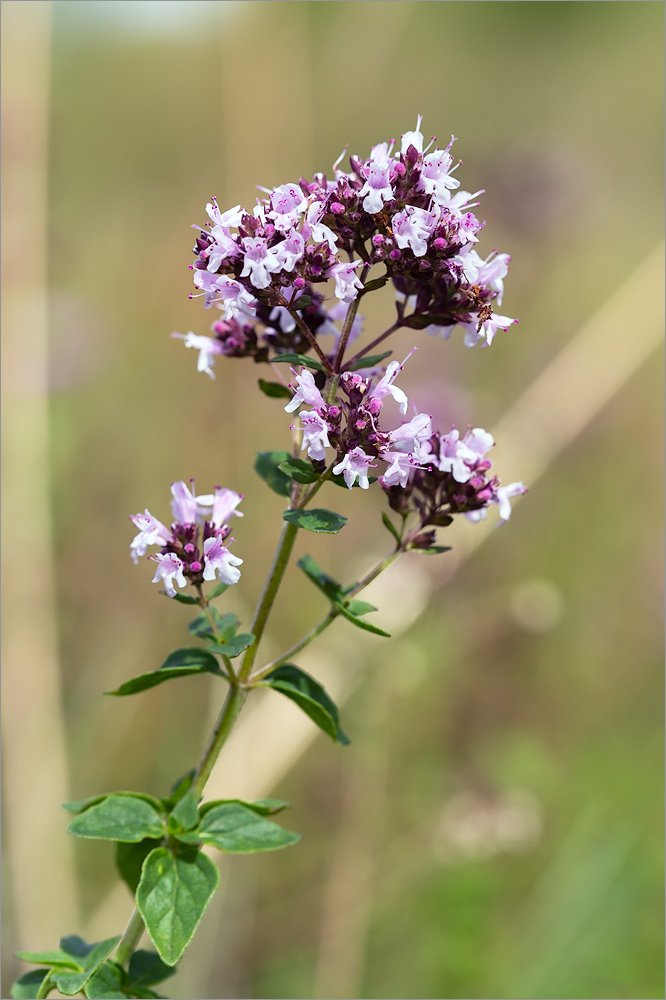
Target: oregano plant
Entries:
(288, 278)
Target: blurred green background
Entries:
(495, 828)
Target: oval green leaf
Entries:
(118, 817)
(237, 829)
(181, 663)
(267, 466)
(172, 896)
(316, 519)
(310, 696)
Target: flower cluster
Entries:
(350, 425)
(451, 475)
(401, 209)
(193, 548)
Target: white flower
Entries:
(223, 503)
(151, 532)
(485, 334)
(412, 227)
(307, 392)
(169, 569)
(401, 466)
(347, 284)
(260, 261)
(315, 434)
(207, 347)
(218, 559)
(377, 188)
(355, 466)
(503, 495)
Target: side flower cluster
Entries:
(453, 477)
(402, 209)
(195, 547)
(350, 424)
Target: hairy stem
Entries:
(305, 329)
(130, 939)
(348, 323)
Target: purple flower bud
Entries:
(334, 412)
(195, 567)
(378, 240)
(190, 549)
(395, 255)
(300, 283)
(400, 169)
(337, 208)
(374, 406)
(439, 243)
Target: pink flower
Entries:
(218, 559)
(169, 569)
(307, 392)
(377, 188)
(287, 204)
(385, 385)
(410, 435)
(260, 261)
(355, 466)
(401, 466)
(315, 434)
(151, 532)
(290, 251)
(184, 506)
(223, 503)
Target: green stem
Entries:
(45, 988)
(348, 323)
(225, 723)
(205, 604)
(130, 939)
(273, 581)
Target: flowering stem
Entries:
(348, 323)
(230, 711)
(273, 581)
(205, 604)
(377, 340)
(304, 328)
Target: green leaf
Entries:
(232, 646)
(316, 519)
(237, 829)
(367, 362)
(146, 968)
(388, 523)
(263, 807)
(300, 303)
(201, 627)
(130, 859)
(310, 696)
(274, 389)
(267, 465)
(107, 982)
(72, 983)
(83, 804)
(181, 663)
(27, 987)
(432, 549)
(76, 947)
(299, 359)
(48, 958)
(299, 470)
(172, 895)
(370, 286)
(359, 622)
(356, 607)
(119, 817)
(186, 812)
(185, 598)
(217, 591)
(323, 581)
